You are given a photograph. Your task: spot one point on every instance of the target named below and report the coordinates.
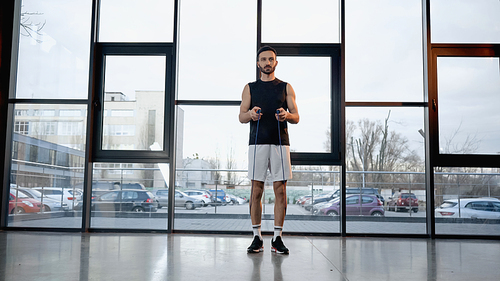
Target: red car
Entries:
(23, 204)
(403, 201)
(302, 200)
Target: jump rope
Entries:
(255, 148)
(255, 153)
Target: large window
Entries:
(133, 21)
(130, 195)
(217, 49)
(47, 168)
(385, 158)
(161, 83)
(467, 201)
(314, 21)
(54, 49)
(468, 90)
(384, 51)
(465, 21)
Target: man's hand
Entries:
(255, 113)
(282, 114)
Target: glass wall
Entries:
(314, 21)
(54, 49)
(216, 47)
(385, 187)
(468, 90)
(465, 21)
(385, 159)
(383, 51)
(47, 168)
(467, 201)
(134, 103)
(130, 196)
(133, 21)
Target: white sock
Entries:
(277, 231)
(256, 231)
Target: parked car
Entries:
(403, 201)
(126, 200)
(181, 199)
(104, 185)
(320, 198)
(358, 190)
(220, 197)
(236, 199)
(302, 200)
(48, 203)
(203, 195)
(356, 205)
(20, 203)
(474, 208)
(134, 185)
(71, 196)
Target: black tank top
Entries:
(269, 96)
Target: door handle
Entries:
(434, 104)
(97, 104)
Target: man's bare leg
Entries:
(256, 216)
(256, 202)
(279, 217)
(280, 204)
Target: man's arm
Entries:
(245, 113)
(292, 115)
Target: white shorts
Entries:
(269, 157)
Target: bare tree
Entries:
(29, 28)
(378, 149)
(231, 164)
(216, 165)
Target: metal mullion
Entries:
(89, 146)
(464, 46)
(9, 36)
(343, 217)
(385, 104)
(472, 160)
(466, 51)
(209, 102)
(48, 101)
(430, 130)
(173, 118)
(306, 49)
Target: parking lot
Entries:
(292, 209)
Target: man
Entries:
(260, 103)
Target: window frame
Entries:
(455, 50)
(333, 51)
(132, 49)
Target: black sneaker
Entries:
(256, 246)
(278, 246)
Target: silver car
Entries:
(204, 196)
(49, 204)
(181, 199)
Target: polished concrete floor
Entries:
(96, 256)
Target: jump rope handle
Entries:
(281, 149)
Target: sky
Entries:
(217, 58)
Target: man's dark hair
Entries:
(266, 48)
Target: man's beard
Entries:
(268, 71)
